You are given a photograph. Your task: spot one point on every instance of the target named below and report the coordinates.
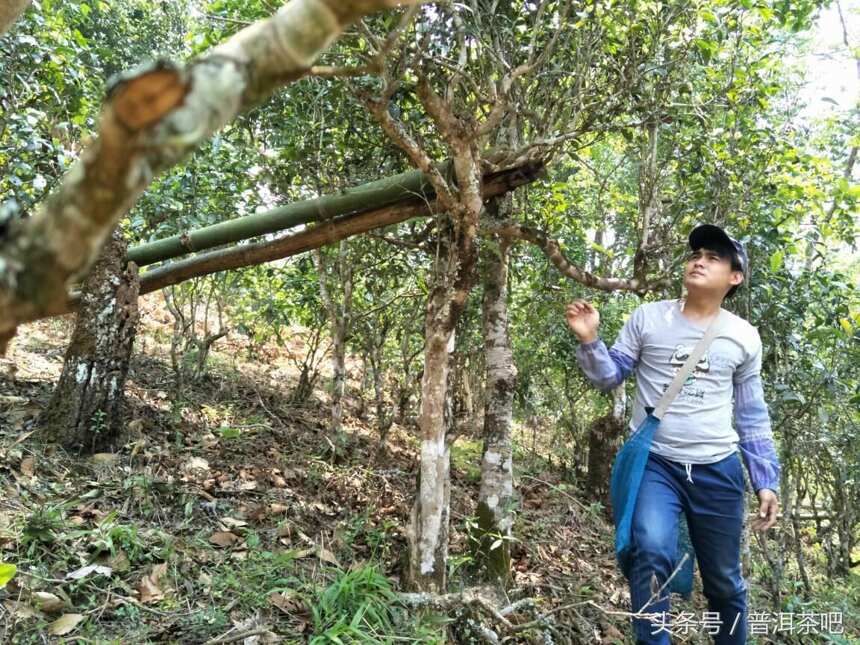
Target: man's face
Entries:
(706, 271)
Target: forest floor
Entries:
(231, 515)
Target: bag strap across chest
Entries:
(697, 353)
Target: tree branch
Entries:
(398, 134)
(325, 233)
(552, 250)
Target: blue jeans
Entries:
(714, 506)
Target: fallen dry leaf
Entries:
(120, 562)
(205, 579)
(284, 530)
(232, 523)
(223, 539)
(23, 437)
(149, 588)
(322, 508)
(105, 458)
(327, 556)
(611, 634)
(195, 463)
(148, 591)
(19, 609)
(28, 466)
(287, 603)
(302, 553)
(275, 479)
(83, 572)
(65, 624)
(47, 602)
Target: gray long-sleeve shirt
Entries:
(697, 427)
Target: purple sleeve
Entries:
(606, 369)
(752, 423)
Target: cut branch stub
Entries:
(143, 96)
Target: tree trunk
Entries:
(603, 438)
(406, 379)
(10, 10)
(375, 358)
(85, 411)
(495, 499)
(429, 522)
(428, 531)
(339, 314)
(338, 381)
(797, 538)
(462, 407)
(619, 405)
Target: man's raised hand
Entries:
(583, 320)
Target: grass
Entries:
(466, 457)
(360, 606)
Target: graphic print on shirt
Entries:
(690, 391)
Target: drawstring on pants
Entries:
(689, 469)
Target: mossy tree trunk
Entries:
(85, 412)
(605, 436)
(495, 499)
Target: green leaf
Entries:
(776, 261)
(7, 572)
(227, 432)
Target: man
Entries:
(693, 465)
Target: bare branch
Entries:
(440, 111)
(234, 21)
(326, 71)
(397, 132)
(463, 57)
(552, 250)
